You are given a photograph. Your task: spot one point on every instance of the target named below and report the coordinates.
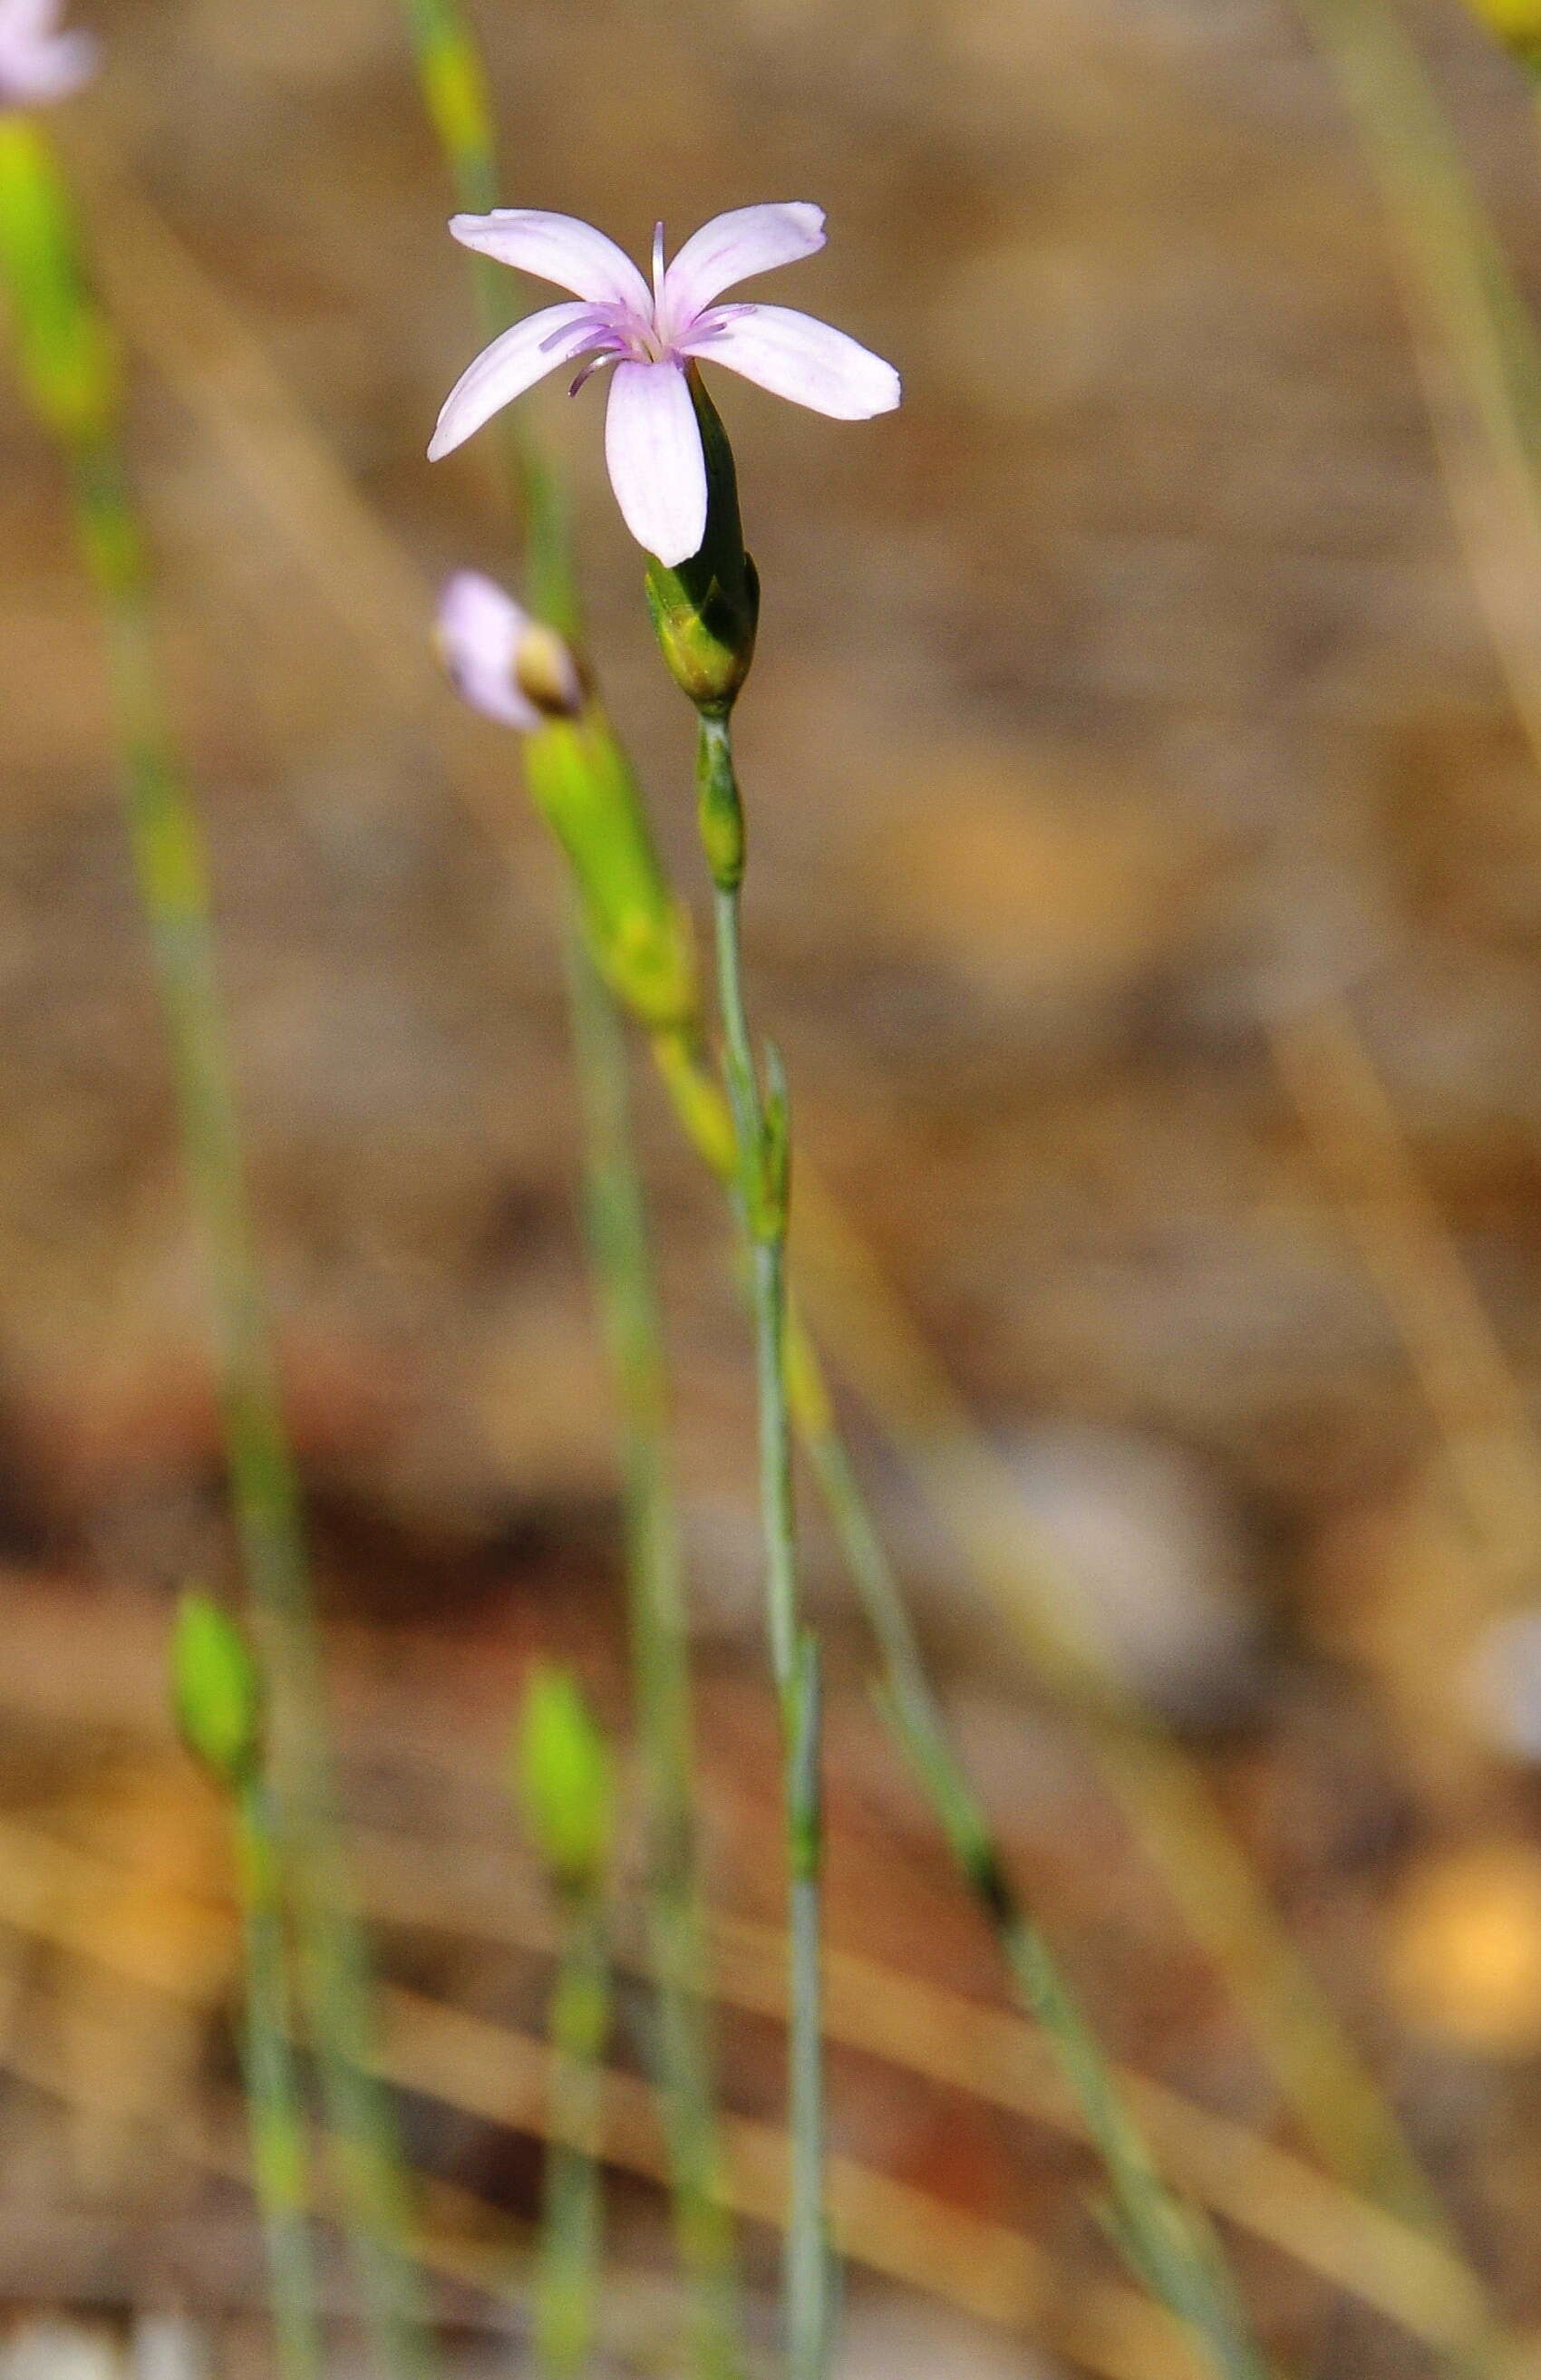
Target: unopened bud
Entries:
(546, 672)
(511, 668)
(216, 1694)
(562, 1778)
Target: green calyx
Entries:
(640, 937)
(564, 1782)
(216, 1694)
(706, 611)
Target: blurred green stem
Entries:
(623, 1271)
(68, 361)
(275, 2112)
(170, 868)
(568, 2269)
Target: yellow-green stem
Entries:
(275, 2108)
(622, 1272)
(567, 2281)
(67, 359)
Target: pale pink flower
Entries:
(38, 62)
(652, 441)
(494, 650)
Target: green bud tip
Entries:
(216, 1694)
(564, 1779)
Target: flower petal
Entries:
(795, 357)
(732, 247)
(69, 63)
(479, 633)
(653, 447)
(38, 63)
(559, 249)
(27, 20)
(503, 372)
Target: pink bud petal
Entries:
(653, 447)
(479, 629)
(559, 249)
(732, 247)
(513, 364)
(38, 63)
(796, 357)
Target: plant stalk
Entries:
(68, 362)
(275, 2109)
(760, 1199)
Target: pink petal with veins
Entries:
(732, 247)
(513, 364)
(794, 356)
(559, 249)
(656, 469)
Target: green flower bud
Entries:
(707, 609)
(562, 1779)
(216, 1694)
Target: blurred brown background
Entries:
(1146, 881)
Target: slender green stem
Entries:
(1167, 2244)
(67, 359)
(622, 1272)
(1174, 2247)
(170, 868)
(761, 1201)
(568, 2271)
(275, 2110)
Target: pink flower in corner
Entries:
(652, 443)
(495, 652)
(479, 633)
(38, 62)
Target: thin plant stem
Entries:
(617, 1232)
(761, 1202)
(567, 2280)
(69, 362)
(1158, 1786)
(171, 872)
(1168, 2243)
(453, 81)
(275, 2109)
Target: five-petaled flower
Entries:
(39, 61)
(652, 337)
(505, 664)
